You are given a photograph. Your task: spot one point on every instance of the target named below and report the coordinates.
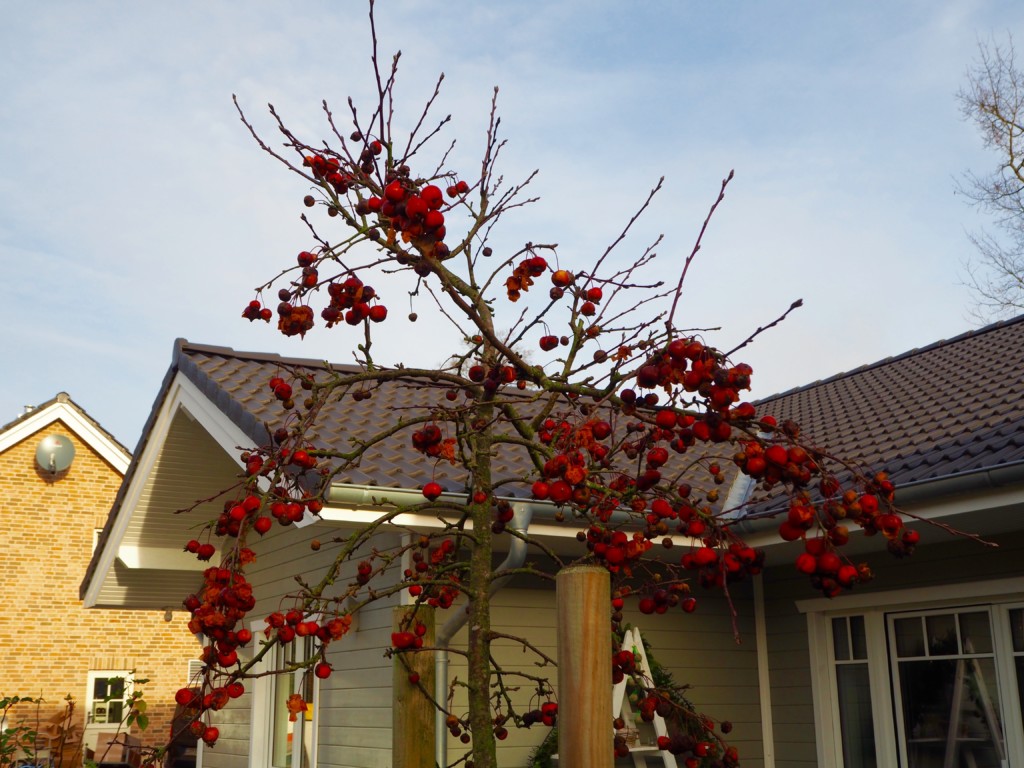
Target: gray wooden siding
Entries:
(354, 712)
(699, 649)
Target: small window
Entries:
(107, 696)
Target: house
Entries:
(59, 474)
(923, 666)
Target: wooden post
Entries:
(583, 599)
(412, 713)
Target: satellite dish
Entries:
(55, 453)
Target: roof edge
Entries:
(895, 358)
(62, 408)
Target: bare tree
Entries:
(993, 99)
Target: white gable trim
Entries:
(84, 429)
(184, 395)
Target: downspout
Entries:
(520, 522)
(514, 559)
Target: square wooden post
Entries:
(412, 713)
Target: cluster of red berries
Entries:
(547, 343)
(414, 213)
(350, 300)
(503, 514)
(402, 207)
(661, 599)
(256, 311)
(493, 378)
(216, 612)
(328, 170)
(294, 320)
(429, 441)
(367, 158)
(454, 726)
(623, 663)
(697, 752)
(287, 511)
(715, 566)
(204, 551)
(771, 464)
(218, 608)
(282, 389)
(547, 715)
(820, 561)
(697, 368)
(565, 478)
(438, 592)
(615, 550)
(405, 640)
(287, 626)
(523, 275)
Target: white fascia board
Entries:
(224, 431)
(358, 517)
(182, 394)
(95, 438)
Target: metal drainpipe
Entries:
(514, 559)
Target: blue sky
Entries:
(135, 209)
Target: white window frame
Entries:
(262, 724)
(90, 700)
(1001, 595)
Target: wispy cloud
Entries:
(134, 208)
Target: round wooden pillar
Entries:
(583, 603)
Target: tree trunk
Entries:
(481, 722)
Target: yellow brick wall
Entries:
(48, 640)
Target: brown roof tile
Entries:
(956, 406)
(953, 407)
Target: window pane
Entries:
(281, 752)
(941, 629)
(1017, 629)
(855, 716)
(116, 688)
(909, 640)
(975, 632)
(840, 641)
(951, 713)
(1019, 661)
(858, 636)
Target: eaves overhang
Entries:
(148, 560)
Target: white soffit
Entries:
(182, 395)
